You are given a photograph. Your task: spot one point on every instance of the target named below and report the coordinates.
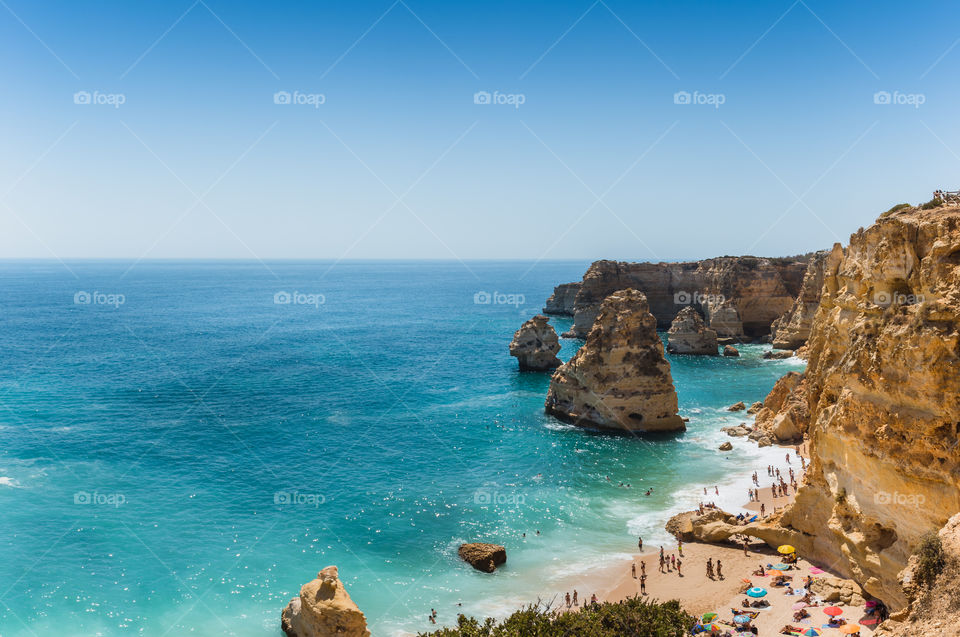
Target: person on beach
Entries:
(643, 569)
(679, 564)
(719, 569)
(575, 603)
(710, 567)
(788, 458)
(639, 542)
(716, 490)
(568, 600)
(704, 491)
(643, 584)
(763, 510)
(593, 598)
(745, 545)
(673, 560)
(633, 571)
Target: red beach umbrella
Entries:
(833, 611)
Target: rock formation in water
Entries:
(778, 354)
(730, 350)
(323, 609)
(882, 389)
(562, 300)
(792, 330)
(535, 345)
(737, 295)
(619, 378)
(483, 557)
(689, 334)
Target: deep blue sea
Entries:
(181, 449)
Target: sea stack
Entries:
(690, 335)
(619, 379)
(535, 345)
(323, 608)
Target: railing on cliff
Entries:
(951, 197)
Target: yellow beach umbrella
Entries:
(786, 549)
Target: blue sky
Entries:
(599, 161)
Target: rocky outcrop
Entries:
(933, 605)
(725, 446)
(483, 557)
(619, 378)
(883, 392)
(785, 415)
(688, 334)
(737, 295)
(323, 609)
(792, 330)
(737, 406)
(778, 354)
(755, 407)
(561, 302)
(730, 350)
(535, 345)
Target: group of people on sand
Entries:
(672, 563)
(574, 601)
(643, 575)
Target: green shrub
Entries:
(936, 202)
(897, 208)
(634, 616)
(931, 559)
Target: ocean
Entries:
(184, 444)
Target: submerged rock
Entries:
(535, 345)
(483, 557)
(619, 378)
(740, 406)
(778, 354)
(727, 446)
(690, 335)
(323, 609)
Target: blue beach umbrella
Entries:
(741, 619)
(780, 567)
(756, 591)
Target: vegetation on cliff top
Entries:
(635, 616)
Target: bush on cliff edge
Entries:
(633, 616)
(931, 559)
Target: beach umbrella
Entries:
(713, 628)
(742, 619)
(756, 591)
(849, 629)
(799, 591)
(786, 549)
(812, 632)
(799, 605)
(833, 611)
(780, 567)
(815, 570)
(708, 617)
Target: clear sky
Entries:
(583, 152)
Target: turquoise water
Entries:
(181, 453)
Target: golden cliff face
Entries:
(792, 330)
(883, 391)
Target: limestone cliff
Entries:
(535, 345)
(792, 330)
(737, 295)
(619, 378)
(785, 414)
(689, 335)
(883, 393)
(323, 609)
(562, 300)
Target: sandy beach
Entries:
(700, 594)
